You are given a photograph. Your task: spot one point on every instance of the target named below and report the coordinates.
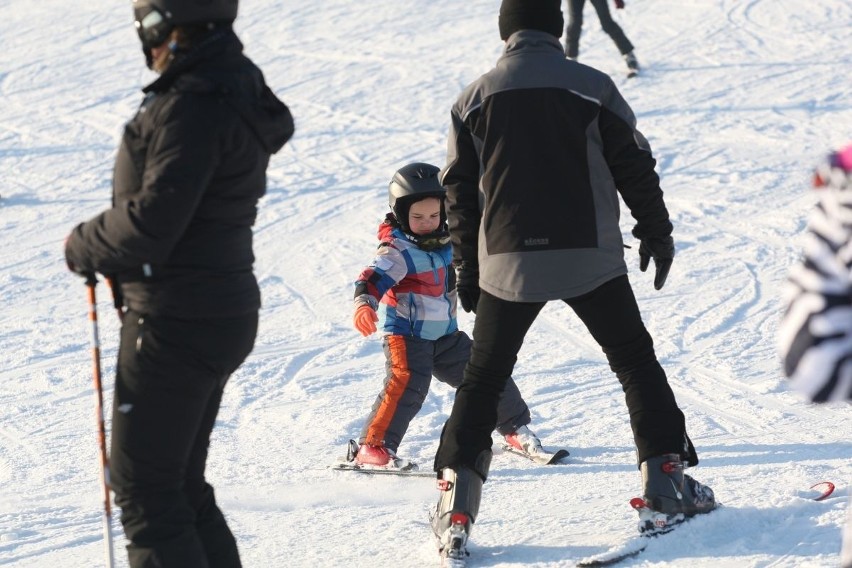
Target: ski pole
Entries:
(91, 282)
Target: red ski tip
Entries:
(825, 489)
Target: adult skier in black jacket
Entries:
(540, 148)
(177, 246)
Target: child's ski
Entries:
(376, 470)
(541, 457)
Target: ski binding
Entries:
(452, 545)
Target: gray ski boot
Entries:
(457, 509)
(670, 495)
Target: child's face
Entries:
(424, 216)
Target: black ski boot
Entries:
(670, 495)
(457, 509)
(632, 64)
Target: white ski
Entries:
(541, 457)
(636, 544)
(379, 470)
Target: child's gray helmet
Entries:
(410, 184)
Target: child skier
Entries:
(409, 289)
(815, 333)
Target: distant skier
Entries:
(575, 26)
(815, 334)
(177, 242)
(540, 149)
(410, 290)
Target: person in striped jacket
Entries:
(815, 333)
(409, 292)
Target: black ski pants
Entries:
(575, 26)
(169, 382)
(612, 316)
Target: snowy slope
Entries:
(739, 98)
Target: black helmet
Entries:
(155, 19)
(412, 183)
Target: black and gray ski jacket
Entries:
(539, 149)
(188, 175)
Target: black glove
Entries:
(87, 274)
(662, 250)
(467, 285)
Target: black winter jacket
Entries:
(188, 175)
(540, 148)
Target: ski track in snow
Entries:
(738, 99)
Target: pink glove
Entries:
(365, 320)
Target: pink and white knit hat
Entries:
(836, 170)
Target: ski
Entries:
(377, 470)
(396, 466)
(541, 457)
(628, 549)
(452, 562)
(634, 545)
